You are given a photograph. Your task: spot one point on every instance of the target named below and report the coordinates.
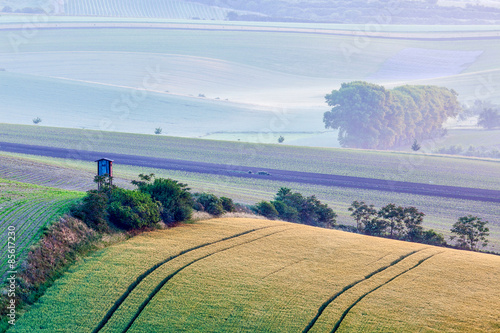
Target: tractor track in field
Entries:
(455, 192)
(346, 312)
(141, 277)
(170, 276)
(322, 308)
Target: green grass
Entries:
(267, 276)
(29, 208)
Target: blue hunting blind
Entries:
(105, 167)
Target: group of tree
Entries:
(370, 116)
(489, 118)
(294, 207)
(405, 223)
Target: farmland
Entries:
(229, 274)
(237, 76)
(28, 208)
(441, 213)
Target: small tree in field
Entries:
(281, 139)
(415, 146)
(362, 213)
(37, 120)
(158, 130)
(470, 232)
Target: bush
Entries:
(294, 207)
(93, 210)
(266, 209)
(175, 198)
(210, 202)
(133, 209)
(228, 204)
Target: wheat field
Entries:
(228, 275)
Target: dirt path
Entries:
(464, 193)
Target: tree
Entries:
(470, 232)
(415, 146)
(37, 120)
(370, 116)
(281, 139)
(489, 118)
(158, 130)
(362, 213)
(393, 217)
(93, 210)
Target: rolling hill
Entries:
(187, 77)
(257, 275)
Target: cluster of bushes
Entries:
(155, 200)
(472, 151)
(294, 207)
(210, 203)
(405, 223)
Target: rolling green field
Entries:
(268, 276)
(28, 208)
(259, 72)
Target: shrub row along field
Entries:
(28, 208)
(419, 168)
(257, 275)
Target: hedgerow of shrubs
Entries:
(294, 207)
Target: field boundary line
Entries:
(141, 277)
(170, 276)
(323, 306)
(346, 312)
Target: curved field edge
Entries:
(29, 208)
(274, 283)
(395, 166)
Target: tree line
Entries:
(370, 116)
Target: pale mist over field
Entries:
(248, 71)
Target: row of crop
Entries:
(29, 216)
(147, 8)
(45, 179)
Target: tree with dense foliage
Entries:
(415, 146)
(370, 116)
(362, 213)
(489, 118)
(470, 232)
(175, 198)
(93, 210)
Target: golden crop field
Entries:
(229, 275)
